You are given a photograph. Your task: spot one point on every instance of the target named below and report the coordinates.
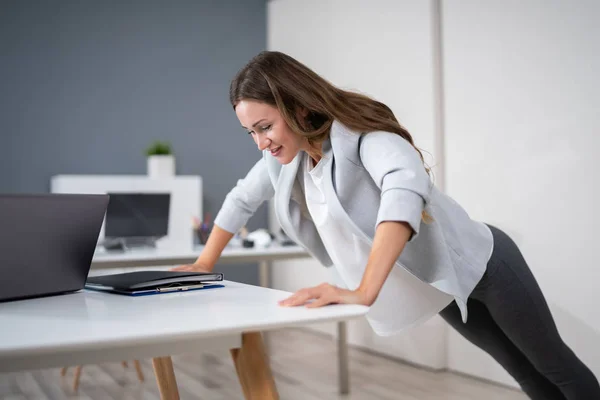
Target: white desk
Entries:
(264, 256)
(93, 327)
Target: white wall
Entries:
(520, 96)
(522, 99)
(381, 48)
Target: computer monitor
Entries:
(137, 216)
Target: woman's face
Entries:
(269, 130)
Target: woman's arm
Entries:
(217, 240)
(390, 238)
(245, 198)
(397, 170)
(239, 205)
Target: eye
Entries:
(266, 128)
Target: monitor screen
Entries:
(137, 215)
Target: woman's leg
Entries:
(483, 332)
(516, 303)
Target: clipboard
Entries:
(143, 283)
(151, 291)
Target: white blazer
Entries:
(370, 178)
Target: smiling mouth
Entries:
(275, 150)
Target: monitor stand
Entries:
(129, 243)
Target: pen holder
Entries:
(202, 233)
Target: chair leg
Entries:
(77, 376)
(138, 369)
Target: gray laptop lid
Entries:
(47, 242)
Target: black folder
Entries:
(154, 282)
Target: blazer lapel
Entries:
(297, 226)
(333, 202)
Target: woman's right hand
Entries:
(195, 267)
(213, 248)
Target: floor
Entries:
(304, 367)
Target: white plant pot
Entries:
(161, 166)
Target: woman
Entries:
(351, 187)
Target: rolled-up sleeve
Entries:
(245, 198)
(398, 171)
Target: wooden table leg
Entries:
(165, 377)
(253, 369)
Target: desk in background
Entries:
(148, 257)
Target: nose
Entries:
(262, 142)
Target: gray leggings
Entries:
(510, 320)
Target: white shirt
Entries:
(404, 300)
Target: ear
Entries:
(301, 114)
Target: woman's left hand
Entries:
(325, 294)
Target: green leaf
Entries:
(159, 148)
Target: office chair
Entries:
(78, 368)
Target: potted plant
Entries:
(160, 160)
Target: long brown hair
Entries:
(279, 80)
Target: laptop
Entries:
(47, 242)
